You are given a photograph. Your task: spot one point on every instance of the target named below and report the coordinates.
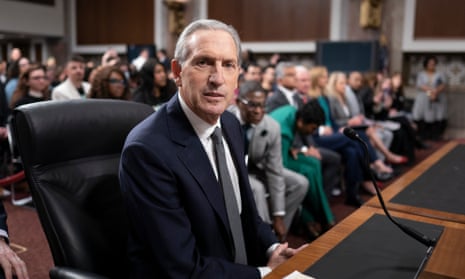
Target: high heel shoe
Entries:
(383, 176)
(402, 160)
(354, 201)
(312, 230)
(328, 226)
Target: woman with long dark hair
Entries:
(155, 88)
(32, 87)
(109, 82)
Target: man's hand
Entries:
(279, 227)
(294, 152)
(282, 253)
(11, 263)
(313, 152)
(355, 121)
(326, 131)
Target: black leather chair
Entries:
(71, 152)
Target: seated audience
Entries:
(33, 86)
(304, 121)
(109, 83)
(16, 69)
(330, 160)
(268, 79)
(285, 93)
(345, 110)
(267, 175)
(252, 72)
(329, 136)
(155, 88)
(74, 87)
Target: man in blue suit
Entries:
(179, 226)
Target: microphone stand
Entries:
(428, 242)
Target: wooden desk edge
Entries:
(318, 248)
(402, 182)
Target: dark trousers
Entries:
(331, 167)
(352, 157)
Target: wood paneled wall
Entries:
(114, 22)
(274, 20)
(444, 19)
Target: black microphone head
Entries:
(350, 133)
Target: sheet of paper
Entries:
(297, 275)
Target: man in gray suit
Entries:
(267, 175)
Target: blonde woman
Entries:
(341, 103)
(328, 137)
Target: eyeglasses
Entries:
(39, 77)
(116, 81)
(252, 105)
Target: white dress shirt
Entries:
(204, 131)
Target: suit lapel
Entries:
(192, 155)
(256, 143)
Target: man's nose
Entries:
(217, 75)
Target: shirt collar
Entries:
(203, 129)
(288, 93)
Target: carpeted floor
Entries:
(29, 240)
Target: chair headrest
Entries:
(56, 131)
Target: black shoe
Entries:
(355, 202)
(420, 144)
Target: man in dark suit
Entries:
(181, 224)
(286, 84)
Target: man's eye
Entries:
(202, 63)
(230, 65)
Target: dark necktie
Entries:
(297, 100)
(229, 198)
(81, 91)
(245, 128)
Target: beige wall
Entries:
(32, 19)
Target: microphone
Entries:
(350, 133)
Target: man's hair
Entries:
(77, 58)
(311, 113)
(251, 64)
(182, 50)
(249, 86)
(281, 67)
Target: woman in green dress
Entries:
(303, 122)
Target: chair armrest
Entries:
(72, 273)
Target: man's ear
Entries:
(176, 70)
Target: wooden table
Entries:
(405, 180)
(318, 248)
